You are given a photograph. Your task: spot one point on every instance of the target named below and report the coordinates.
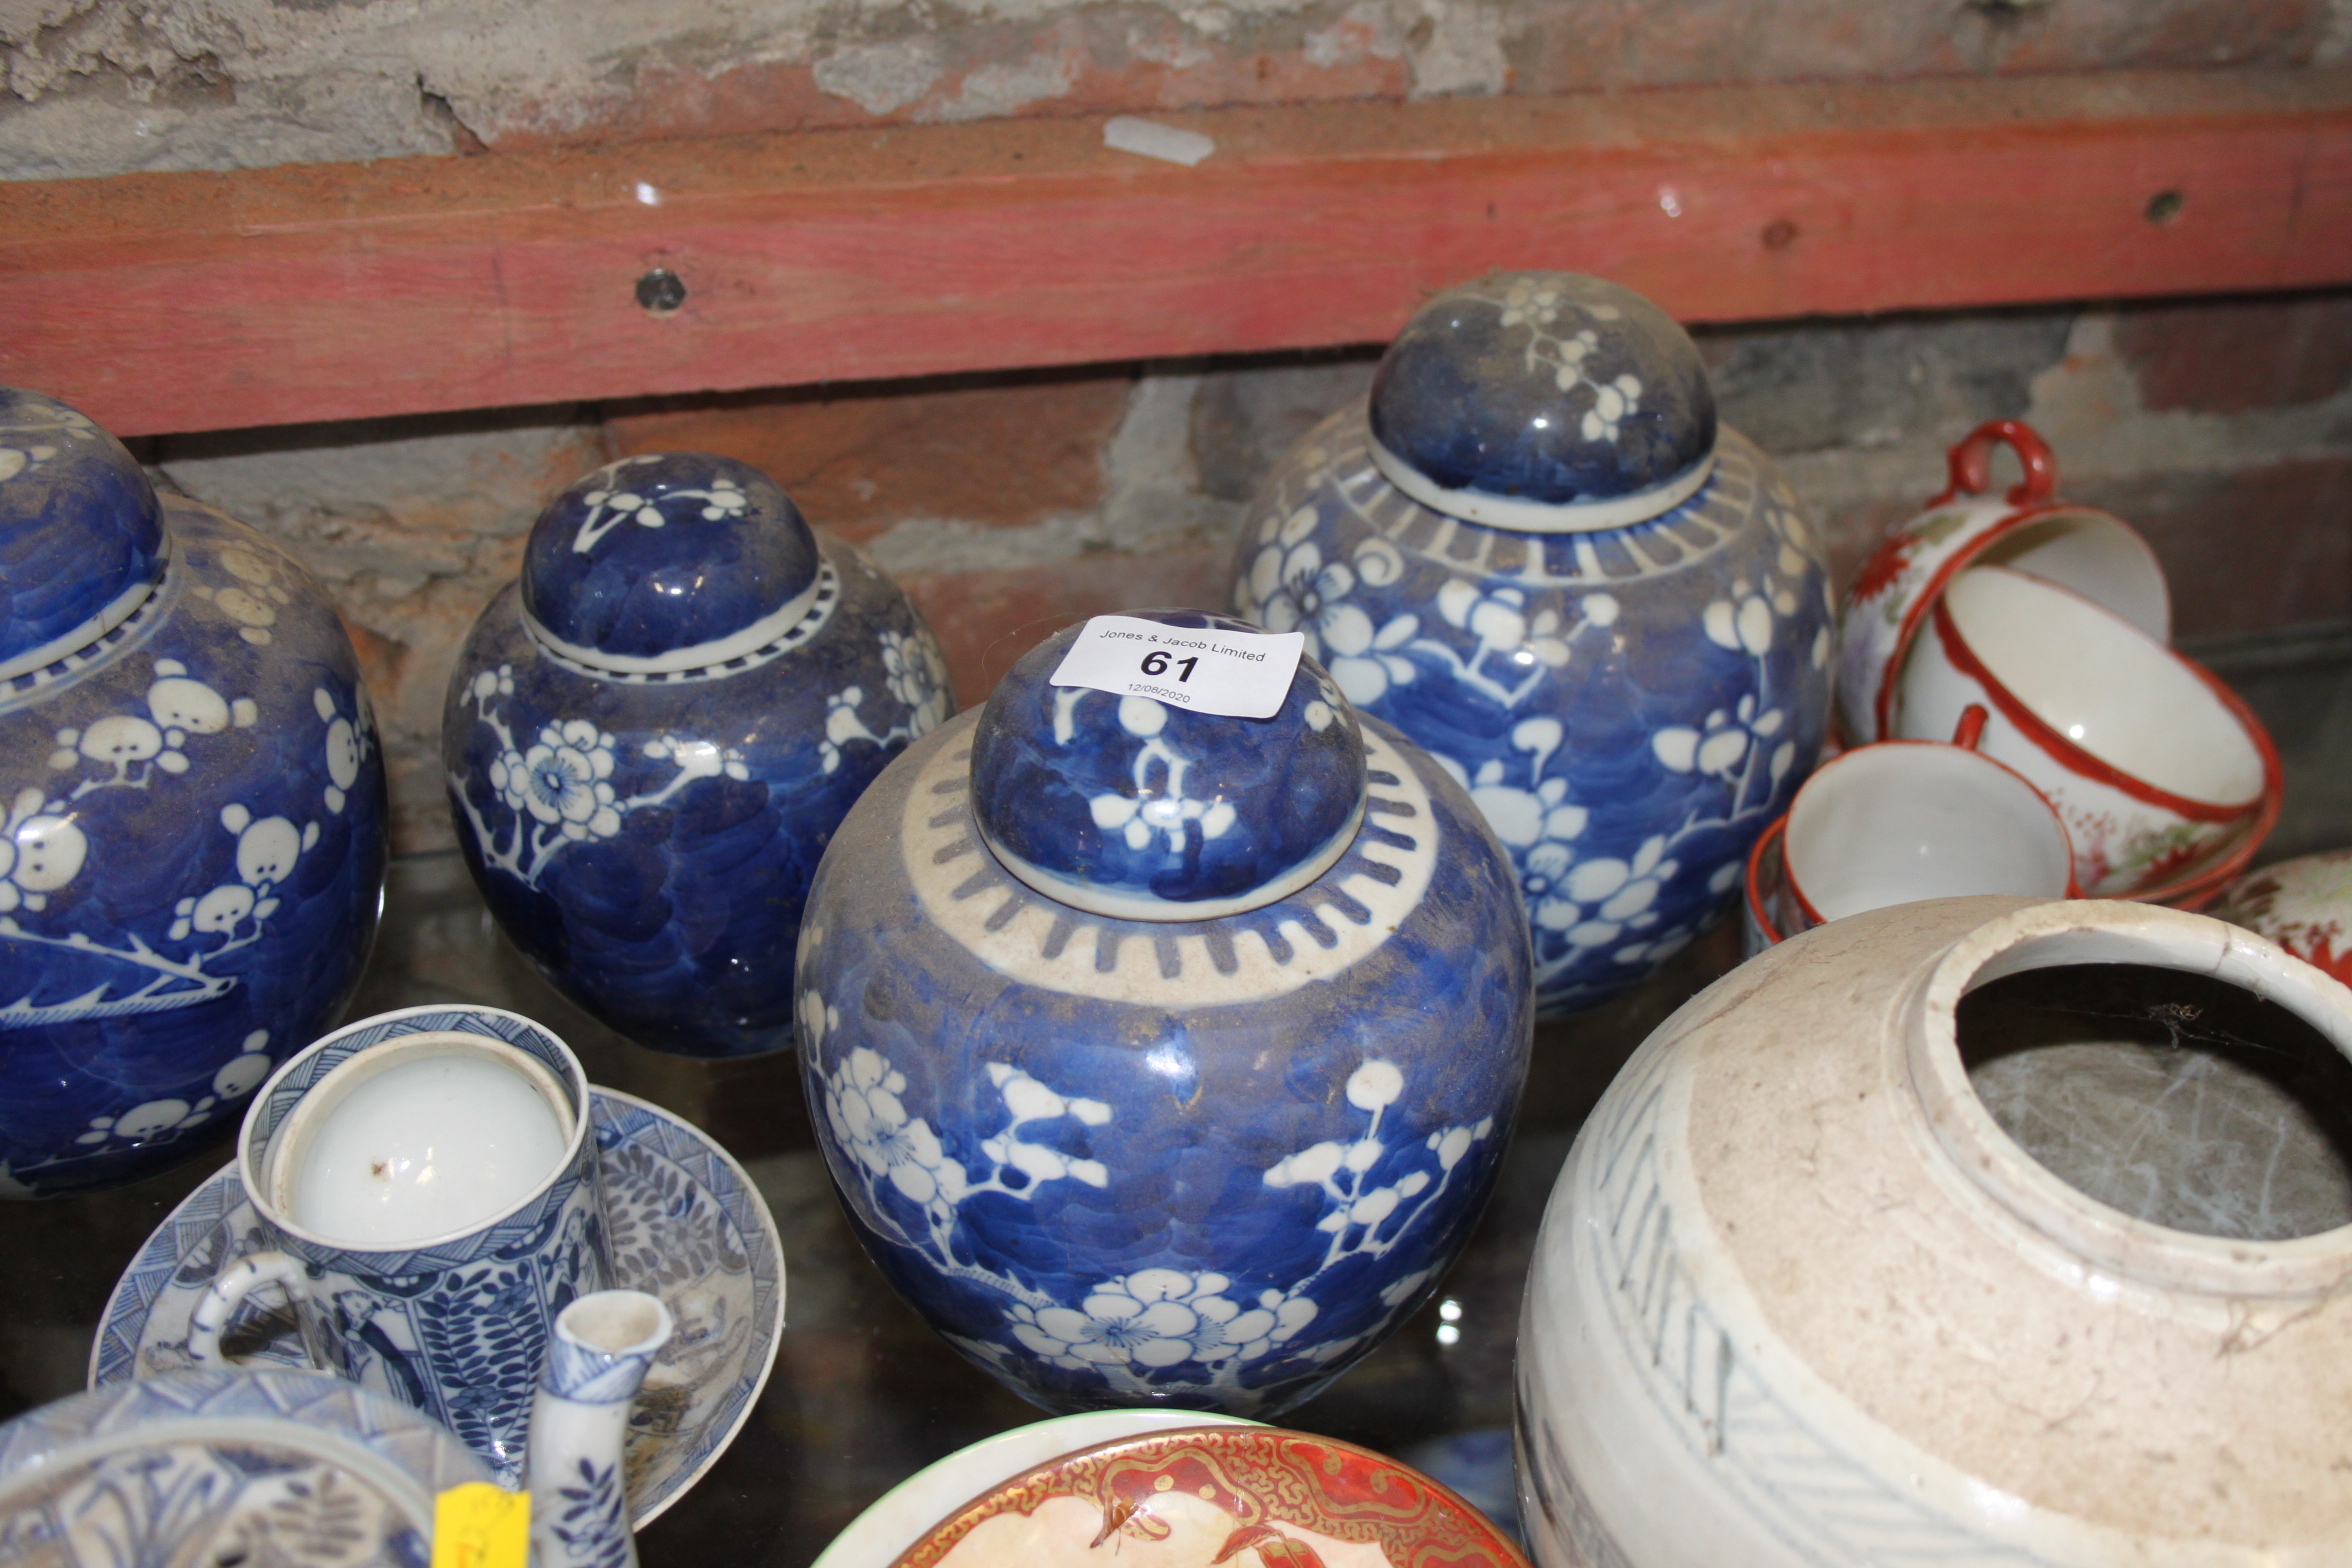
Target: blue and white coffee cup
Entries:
(443, 1299)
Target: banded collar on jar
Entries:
(670, 563)
(1544, 402)
(1135, 809)
(82, 542)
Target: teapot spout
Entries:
(598, 1355)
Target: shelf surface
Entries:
(197, 301)
(863, 1393)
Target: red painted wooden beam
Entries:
(201, 301)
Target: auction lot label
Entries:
(1243, 675)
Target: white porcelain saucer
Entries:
(685, 1224)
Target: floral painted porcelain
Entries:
(907, 1512)
(684, 1224)
(1191, 1499)
(1799, 1298)
(1536, 554)
(1182, 1159)
(194, 846)
(2089, 551)
(2166, 780)
(598, 1354)
(652, 737)
(222, 1467)
(2304, 905)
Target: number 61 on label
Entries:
(1199, 669)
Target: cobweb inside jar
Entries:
(2181, 1100)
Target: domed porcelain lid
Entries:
(1133, 808)
(81, 533)
(672, 561)
(1547, 402)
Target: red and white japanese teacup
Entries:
(2164, 778)
(2095, 553)
(1902, 821)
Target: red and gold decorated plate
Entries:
(1249, 1497)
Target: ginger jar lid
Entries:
(668, 562)
(1545, 402)
(1135, 809)
(81, 533)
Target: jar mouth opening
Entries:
(2162, 1095)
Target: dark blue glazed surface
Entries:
(1550, 387)
(728, 550)
(1628, 707)
(1141, 798)
(1202, 1164)
(79, 523)
(649, 844)
(194, 852)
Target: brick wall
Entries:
(1011, 505)
(99, 86)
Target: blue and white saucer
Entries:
(686, 1225)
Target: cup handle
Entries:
(227, 1293)
(1971, 463)
(1970, 730)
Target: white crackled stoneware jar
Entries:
(1534, 551)
(1163, 1058)
(193, 850)
(1799, 1298)
(651, 737)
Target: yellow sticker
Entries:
(478, 1525)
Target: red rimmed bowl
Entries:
(1901, 821)
(2095, 553)
(2166, 781)
(1211, 1495)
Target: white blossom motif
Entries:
(1134, 1330)
(1291, 587)
(253, 600)
(237, 1077)
(61, 425)
(615, 504)
(1564, 355)
(862, 1107)
(1159, 1318)
(45, 843)
(917, 677)
(558, 790)
(348, 745)
(1158, 807)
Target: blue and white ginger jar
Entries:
(194, 846)
(1163, 1058)
(652, 736)
(1535, 552)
